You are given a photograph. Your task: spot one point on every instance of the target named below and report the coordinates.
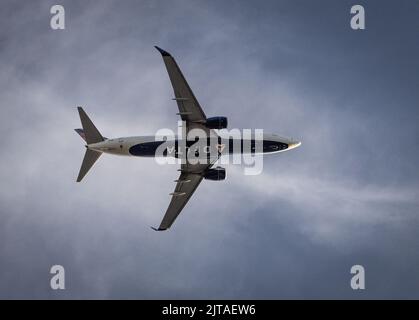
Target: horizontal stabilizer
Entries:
(89, 160)
(92, 135)
(81, 133)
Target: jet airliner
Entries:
(193, 118)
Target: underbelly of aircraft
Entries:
(178, 149)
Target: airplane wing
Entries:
(189, 180)
(189, 108)
(191, 112)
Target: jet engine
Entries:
(216, 123)
(216, 174)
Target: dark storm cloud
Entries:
(348, 196)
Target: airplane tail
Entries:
(91, 135)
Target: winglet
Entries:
(163, 53)
(158, 229)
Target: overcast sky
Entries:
(349, 195)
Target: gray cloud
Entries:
(347, 196)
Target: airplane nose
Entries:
(294, 145)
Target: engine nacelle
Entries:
(217, 123)
(216, 174)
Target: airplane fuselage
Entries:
(148, 146)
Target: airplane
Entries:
(193, 118)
